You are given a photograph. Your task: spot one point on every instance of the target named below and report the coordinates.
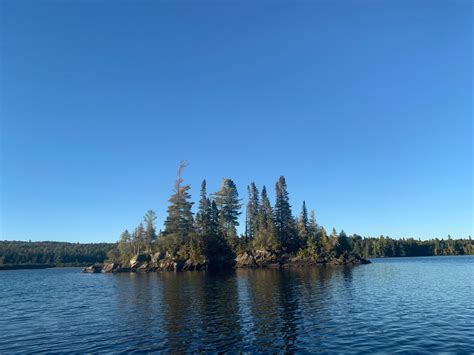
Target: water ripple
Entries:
(418, 305)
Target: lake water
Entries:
(400, 304)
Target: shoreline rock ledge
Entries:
(248, 260)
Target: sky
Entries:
(364, 106)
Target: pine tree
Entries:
(179, 222)
(150, 232)
(214, 226)
(215, 246)
(138, 239)
(313, 241)
(334, 240)
(125, 246)
(252, 212)
(342, 243)
(325, 244)
(228, 203)
(204, 212)
(303, 225)
(265, 235)
(284, 221)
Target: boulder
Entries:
(245, 260)
(110, 267)
(139, 258)
(170, 265)
(143, 267)
(155, 258)
(190, 265)
(93, 269)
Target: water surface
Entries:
(400, 304)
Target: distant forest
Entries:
(52, 253)
(211, 236)
(74, 254)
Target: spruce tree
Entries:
(265, 236)
(313, 241)
(284, 221)
(342, 243)
(252, 212)
(150, 232)
(215, 245)
(228, 203)
(179, 222)
(204, 213)
(303, 225)
(214, 226)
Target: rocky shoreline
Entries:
(258, 259)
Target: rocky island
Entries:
(258, 259)
(209, 240)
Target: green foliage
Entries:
(388, 247)
(303, 225)
(252, 212)
(228, 204)
(284, 221)
(53, 253)
(265, 234)
(179, 223)
(343, 245)
(203, 217)
(212, 236)
(125, 249)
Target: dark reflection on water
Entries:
(409, 305)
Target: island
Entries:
(209, 240)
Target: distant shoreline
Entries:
(26, 266)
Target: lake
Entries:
(399, 304)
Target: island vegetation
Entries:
(273, 236)
(208, 239)
(18, 254)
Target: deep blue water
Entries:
(410, 305)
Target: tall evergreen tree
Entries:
(252, 212)
(138, 239)
(150, 232)
(125, 246)
(284, 221)
(334, 240)
(215, 245)
(179, 222)
(228, 203)
(303, 225)
(313, 225)
(313, 241)
(204, 213)
(342, 243)
(325, 244)
(265, 235)
(214, 226)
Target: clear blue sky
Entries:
(364, 107)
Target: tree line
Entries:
(211, 234)
(53, 253)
